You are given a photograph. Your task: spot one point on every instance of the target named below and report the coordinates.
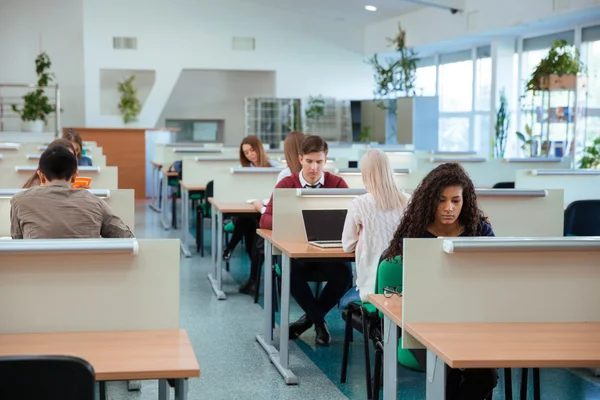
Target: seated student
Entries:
(54, 210)
(73, 136)
(34, 180)
(252, 154)
(445, 204)
(339, 274)
(371, 221)
(292, 149)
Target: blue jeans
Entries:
(351, 296)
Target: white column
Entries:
(503, 77)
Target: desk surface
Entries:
(238, 208)
(391, 307)
(192, 188)
(118, 355)
(512, 345)
(305, 250)
(266, 234)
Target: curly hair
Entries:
(420, 212)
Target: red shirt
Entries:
(293, 182)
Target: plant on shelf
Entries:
(314, 111)
(130, 105)
(365, 134)
(591, 155)
(36, 104)
(502, 125)
(558, 69)
(395, 76)
(526, 140)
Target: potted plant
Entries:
(364, 135)
(36, 105)
(395, 76)
(558, 70)
(315, 109)
(591, 155)
(502, 125)
(129, 105)
(526, 140)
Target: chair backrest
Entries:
(209, 193)
(582, 218)
(504, 185)
(46, 377)
(389, 273)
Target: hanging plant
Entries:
(563, 62)
(130, 105)
(502, 125)
(591, 155)
(395, 76)
(36, 105)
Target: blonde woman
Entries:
(371, 222)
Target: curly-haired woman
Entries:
(445, 204)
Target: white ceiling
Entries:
(351, 11)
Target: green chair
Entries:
(363, 316)
(204, 210)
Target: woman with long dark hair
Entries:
(445, 204)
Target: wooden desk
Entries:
(511, 345)
(155, 194)
(124, 148)
(289, 250)
(185, 217)
(117, 355)
(219, 211)
(392, 321)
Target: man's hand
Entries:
(258, 204)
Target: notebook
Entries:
(324, 228)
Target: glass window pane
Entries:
(483, 97)
(425, 81)
(454, 134)
(482, 132)
(456, 86)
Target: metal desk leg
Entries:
(390, 359)
(181, 389)
(217, 281)
(154, 196)
(284, 325)
(163, 203)
(265, 339)
(435, 383)
(213, 239)
(158, 188)
(163, 390)
(185, 222)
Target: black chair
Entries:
(582, 218)
(504, 185)
(46, 377)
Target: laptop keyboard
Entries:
(328, 241)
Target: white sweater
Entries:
(368, 232)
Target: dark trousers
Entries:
(464, 384)
(339, 280)
(244, 227)
(257, 257)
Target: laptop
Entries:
(324, 228)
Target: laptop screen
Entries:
(324, 224)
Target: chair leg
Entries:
(226, 244)
(365, 326)
(524, 374)
(257, 291)
(377, 372)
(346, 345)
(508, 384)
(200, 232)
(536, 384)
(174, 211)
(102, 390)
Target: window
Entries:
(590, 55)
(425, 80)
(200, 131)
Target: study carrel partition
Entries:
(578, 184)
(121, 202)
(22, 158)
(235, 185)
(404, 179)
(102, 177)
(554, 279)
(201, 170)
(76, 285)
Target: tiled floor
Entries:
(234, 366)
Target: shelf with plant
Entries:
(36, 104)
(591, 156)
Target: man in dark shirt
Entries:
(338, 274)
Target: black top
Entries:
(484, 230)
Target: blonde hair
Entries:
(292, 147)
(378, 178)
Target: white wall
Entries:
(57, 25)
(210, 94)
(431, 25)
(311, 56)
